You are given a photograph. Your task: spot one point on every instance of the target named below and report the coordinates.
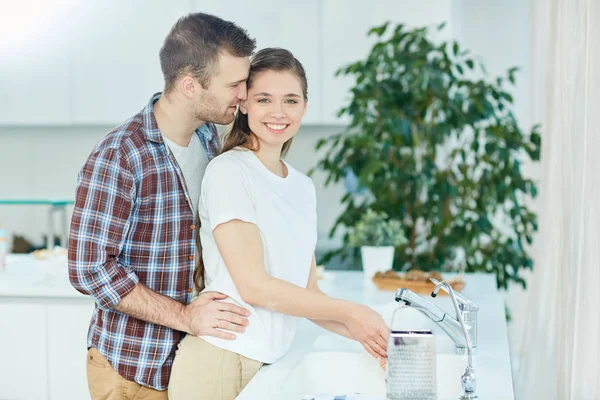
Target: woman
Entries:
(258, 234)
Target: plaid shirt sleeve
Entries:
(99, 226)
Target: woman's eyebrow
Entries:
(265, 94)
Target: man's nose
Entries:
(243, 92)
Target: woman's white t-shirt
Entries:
(237, 185)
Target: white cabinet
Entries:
(345, 27)
(67, 348)
(96, 62)
(23, 358)
(113, 53)
(43, 348)
(34, 67)
(294, 26)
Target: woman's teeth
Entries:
(276, 127)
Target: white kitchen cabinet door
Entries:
(23, 358)
(345, 27)
(294, 26)
(114, 48)
(67, 348)
(34, 66)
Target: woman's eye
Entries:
(263, 100)
(291, 101)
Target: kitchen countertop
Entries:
(492, 362)
(27, 278)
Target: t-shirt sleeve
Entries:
(226, 194)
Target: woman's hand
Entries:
(369, 329)
(383, 363)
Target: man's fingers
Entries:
(233, 318)
(221, 334)
(232, 308)
(213, 295)
(228, 326)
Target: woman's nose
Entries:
(277, 111)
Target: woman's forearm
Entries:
(281, 296)
(240, 245)
(336, 327)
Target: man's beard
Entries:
(209, 111)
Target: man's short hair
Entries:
(193, 46)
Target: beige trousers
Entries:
(105, 383)
(202, 371)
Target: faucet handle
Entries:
(464, 303)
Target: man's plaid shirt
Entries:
(133, 222)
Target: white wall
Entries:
(498, 31)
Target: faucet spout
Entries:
(417, 302)
(450, 325)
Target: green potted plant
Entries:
(438, 148)
(377, 236)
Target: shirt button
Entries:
(191, 258)
(192, 227)
(189, 290)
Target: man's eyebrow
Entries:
(240, 81)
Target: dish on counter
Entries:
(415, 280)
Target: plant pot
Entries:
(376, 259)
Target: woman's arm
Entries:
(240, 246)
(332, 326)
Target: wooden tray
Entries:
(419, 287)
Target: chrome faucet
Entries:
(452, 327)
(463, 334)
(469, 383)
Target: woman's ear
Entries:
(244, 107)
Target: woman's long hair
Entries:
(269, 59)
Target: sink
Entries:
(337, 373)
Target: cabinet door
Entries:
(294, 26)
(23, 358)
(114, 56)
(34, 66)
(345, 27)
(67, 348)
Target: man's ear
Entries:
(244, 107)
(188, 86)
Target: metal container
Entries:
(411, 371)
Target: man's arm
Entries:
(197, 318)
(101, 219)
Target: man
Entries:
(132, 240)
